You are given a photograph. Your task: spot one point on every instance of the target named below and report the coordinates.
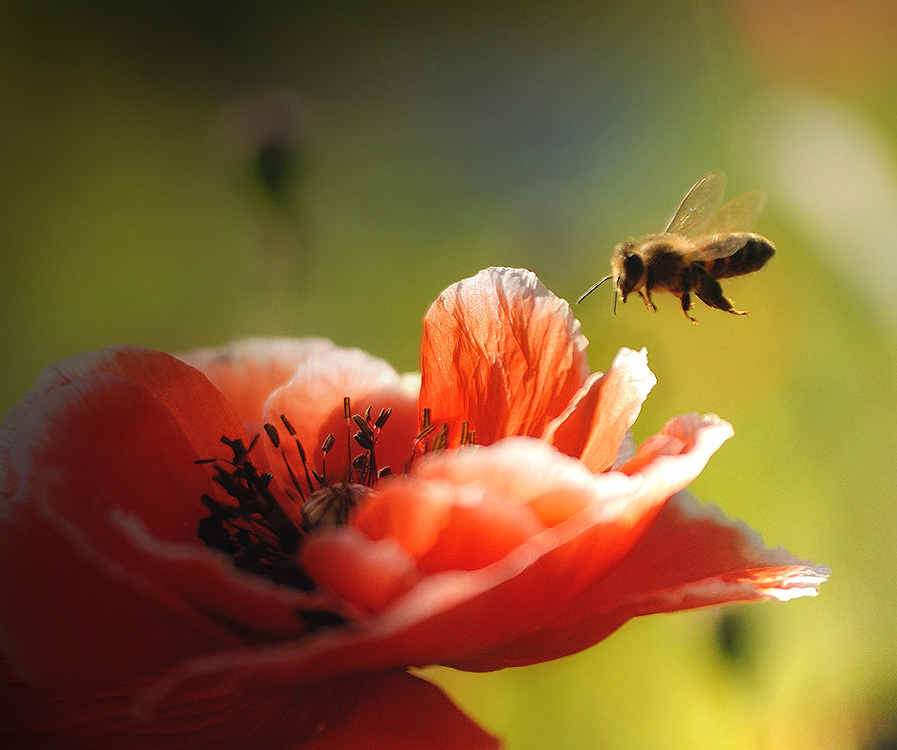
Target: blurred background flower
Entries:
(178, 174)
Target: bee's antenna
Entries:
(613, 309)
(593, 288)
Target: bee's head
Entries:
(629, 269)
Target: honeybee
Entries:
(702, 244)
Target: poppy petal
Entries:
(54, 545)
(593, 427)
(501, 352)
(179, 388)
(249, 370)
(217, 719)
(411, 514)
(691, 556)
(367, 574)
(392, 709)
(448, 524)
(407, 714)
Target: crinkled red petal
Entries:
(501, 352)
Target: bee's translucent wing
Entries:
(699, 205)
(719, 246)
(738, 215)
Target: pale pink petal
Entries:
(501, 352)
(677, 436)
(248, 371)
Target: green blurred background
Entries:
(179, 174)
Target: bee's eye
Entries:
(634, 266)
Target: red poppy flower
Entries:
(168, 581)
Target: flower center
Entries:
(255, 530)
(261, 536)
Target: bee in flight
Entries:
(702, 244)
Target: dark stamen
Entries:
(272, 434)
(325, 449)
(364, 440)
(311, 487)
(347, 414)
(418, 444)
(288, 425)
(274, 437)
(363, 424)
(383, 416)
(256, 531)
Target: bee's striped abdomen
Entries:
(752, 257)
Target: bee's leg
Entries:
(684, 292)
(646, 298)
(649, 285)
(710, 291)
(686, 304)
